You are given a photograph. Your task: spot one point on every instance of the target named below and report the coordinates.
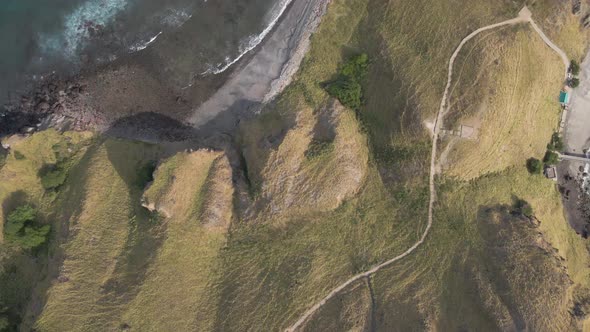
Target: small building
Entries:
(551, 173)
(564, 97)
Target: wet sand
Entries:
(268, 71)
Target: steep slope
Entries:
(319, 162)
(99, 209)
(196, 197)
(329, 192)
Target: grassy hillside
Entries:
(177, 291)
(100, 209)
(322, 192)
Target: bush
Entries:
(22, 228)
(574, 82)
(556, 143)
(4, 324)
(317, 148)
(534, 165)
(3, 154)
(524, 208)
(145, 174)
(18, 155)
(53, 176)
(574, 67)
(347, 86)
(551, 158)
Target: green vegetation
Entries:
(523, 207)
(4, 324)
(3, 155)
(551, 158)
(574, 82)
(23, 228)
(574, 68)
(145, 174)
(318, 147)
(52, 176)
(325, 210)
(534, 166)
(347, 86)
(18, 155)
(556, 143)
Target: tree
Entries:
(347, 86)
(534, 165)
(22, 229)
(4, 324)
(551, 158)
(574, 68)
(524, 208)
(556, 143)
(574, 82)
(52, 176)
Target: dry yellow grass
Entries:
(98, 232)
(515, 103)
(298, 184)
(177, 293)
(97, 240)
(564, 28)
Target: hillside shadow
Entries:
(14, 200)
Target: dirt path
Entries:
(523, 16)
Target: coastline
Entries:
(266, 73)
(101, 94)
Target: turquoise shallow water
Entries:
(41, 36)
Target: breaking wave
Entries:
(251, 43)
(142, 45)
(84, 23)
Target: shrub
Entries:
(145, 174)
(534, 165)
(22, 228)
(4, 324)
(524, 208)
(574, 82)
(53, 175)
(574, 67)
(551, 158)
(18, 155)
(347, 86)
(3, 154)
(556, 143)
(318, 147)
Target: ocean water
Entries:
(188, 37)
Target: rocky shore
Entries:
(99, 97)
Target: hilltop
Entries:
(247, 229)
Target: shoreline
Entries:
(100, 94)
(266, 73)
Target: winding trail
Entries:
(524, 16)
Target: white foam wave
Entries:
(141, 46)
(252, 42)
(79, 26)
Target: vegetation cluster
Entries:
(23, 228)
(347, 86)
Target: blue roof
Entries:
(564, 97)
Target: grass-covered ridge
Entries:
(327, 192)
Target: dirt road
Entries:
(577, 128)
(523, 17)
